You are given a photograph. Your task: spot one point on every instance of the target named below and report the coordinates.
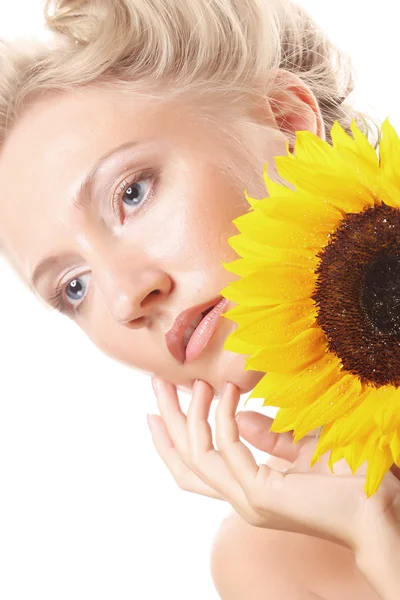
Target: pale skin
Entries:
(357, 538)
(138, 271)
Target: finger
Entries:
(206, 461)
(199, 430)
(185, 478)
(173, 417)
(237, 456)
(292, 501)
(179, 462)
(254, 428)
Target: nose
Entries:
(132, 286)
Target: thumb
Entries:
(255, 429)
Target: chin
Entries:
(217, 366)
(231, 367)
(248, 380)
(245, 380)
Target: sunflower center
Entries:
(357, 294)
(380, 295)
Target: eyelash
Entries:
(124, 185)
(57, 300)
(57, 297)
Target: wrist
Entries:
(378, 557)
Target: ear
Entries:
(293, 106)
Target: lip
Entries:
(174, 337)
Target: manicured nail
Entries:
(224, 387)
(150, 423)
(154, 424)
(156, 384)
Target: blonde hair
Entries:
(224, 53)
(224, 48)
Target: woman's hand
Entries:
(301, 499)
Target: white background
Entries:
(87, 509)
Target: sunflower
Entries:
(318, 296)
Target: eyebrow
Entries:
(80, 200)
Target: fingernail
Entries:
(150, 423)
(155, 384)
(224, 387)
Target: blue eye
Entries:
(74, 289)
(71, 297)
(134, 193)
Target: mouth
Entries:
(193, 329)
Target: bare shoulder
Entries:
(261, 564)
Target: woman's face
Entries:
(125, 277)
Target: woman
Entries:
(133, 137)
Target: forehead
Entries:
(52, 147)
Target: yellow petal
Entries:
(326, 441)
(272, 256)
(389, 193)
(306, 210)
(284, 421)
(358, 422)
(336, 401)
(384, 440)
(343, 190)
(358, 154)
(369, 178)
(276, 325)
(271, 285)
(276, 188)
(268, 385)
(335, 455)
(252, 201)
(379, 462)
(246, 314)
(364, 146)
(280, 234)
(247, 247)
(395, 447)
(389, 152)
(387, 414)
(353, 454)
(244, 266)
(239, 346)
(310, 147)
(305, 349)
(290, 390)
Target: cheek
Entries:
(140, 350)
(210, 223)
(195, 235)
(214, 227)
